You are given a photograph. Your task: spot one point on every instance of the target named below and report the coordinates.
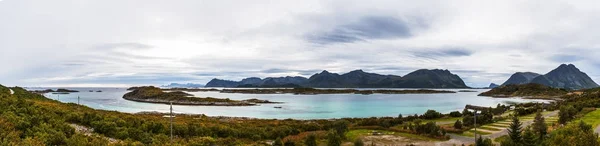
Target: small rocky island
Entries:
(531, 90)
(156, 95)
(58, 91)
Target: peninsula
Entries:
(156, 95)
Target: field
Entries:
(592, 118)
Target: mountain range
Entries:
(178, 85)
(564, 76)
(422, 78)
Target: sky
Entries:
(120, 43)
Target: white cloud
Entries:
(69, 42)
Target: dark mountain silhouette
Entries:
(221, 83)
(566, 77)
(425, 78)
(355, 79)
(493, 85)
(521, 78)
(188, 85)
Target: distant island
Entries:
(187, 85)
(531, 90)
(58, 91)
(156, 95)
(423, 78)
(312, 91)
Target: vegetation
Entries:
(579, 134)
(525, 90)
(514, 132)
(567, 113)
(65, 90)
(31, 119)
(359, 142)
(458, 124)
(539, 126)
(311, 140)
(432, 114)
(593, 118)
(483, 142)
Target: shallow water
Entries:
(323, 106)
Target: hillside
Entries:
(567, 77)
(521, 78)
(525, 90)
(430, 79)
(34, 120)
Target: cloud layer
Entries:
(140, 42)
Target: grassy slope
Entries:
(592, 118)
(529, 90)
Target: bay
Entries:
(322, 106)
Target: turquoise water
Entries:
(322, 106)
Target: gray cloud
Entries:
(366, 28)
(437, 54)
(563, 58)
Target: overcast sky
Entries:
(152, 42)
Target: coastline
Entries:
(198, 103)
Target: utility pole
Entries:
(475, 123)
(171, 116)
(78, 100)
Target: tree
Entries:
(333, 139)
(529, 138)
(573, 134)
(289, 143)
(514, 130)
(455, 114)
(359, 142)
(458, 124)
(483, 142)
(539, 126)
(566, 114)
(466, 112)
(277, 142)
(432, 114)
(340, 128)
(311, 140)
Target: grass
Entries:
(501, 138)
(471, 133)
(501, 125)
(489, 128)
(444, 120)
(352, 135)
(498, 125)
(592, 118)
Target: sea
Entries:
(321, 106)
